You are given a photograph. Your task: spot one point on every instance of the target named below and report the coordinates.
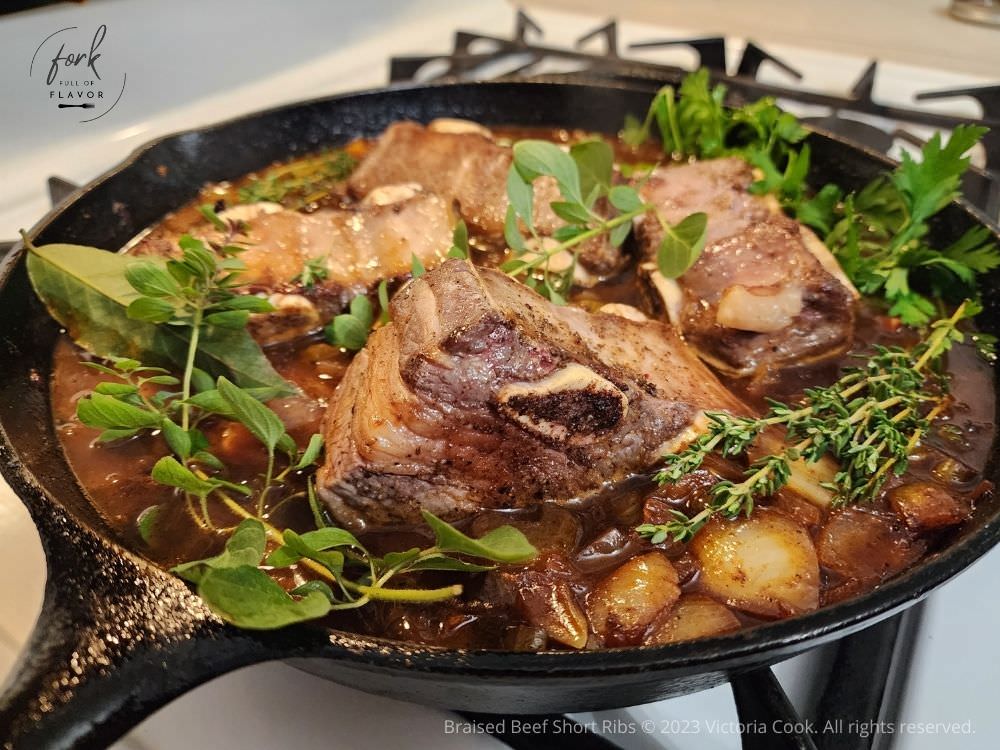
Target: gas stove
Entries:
(913, 682)
(856, 114)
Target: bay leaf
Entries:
(85, 289)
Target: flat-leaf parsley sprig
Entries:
(880, 233)
(693, 121)
(869, 421)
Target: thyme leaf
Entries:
(869, 421)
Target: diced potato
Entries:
(925, 506)
(861, 545)
(546, 599)
(694, 616)
(624, 604)
(765, 564)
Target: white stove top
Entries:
(192, 63)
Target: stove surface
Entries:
(232, 60)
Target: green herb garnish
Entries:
(300, 183)
(879, 234)
(584, 176)
(350, 330)
(235, 587)
(313, 271)
(692, 121)
(90, 292)
(459, 242)
(869, 421)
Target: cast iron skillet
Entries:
(118, 637)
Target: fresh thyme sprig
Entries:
(584, 176)
(869, 421)
(302, 182)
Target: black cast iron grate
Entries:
(479, 55)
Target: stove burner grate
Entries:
(529, 58)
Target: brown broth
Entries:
(589, 540)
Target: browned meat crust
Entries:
(481, 394)
(469, 170)
(765, 292)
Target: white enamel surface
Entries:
(271, 58)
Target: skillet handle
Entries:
(116, 639)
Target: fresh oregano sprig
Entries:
(869, 421)
(197, 291)
(584, 176)
(347, 575)
(194, 291)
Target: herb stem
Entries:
(543, 256)
(189, 366)
(938, 338)
(377, 591)
(273, 533)
(405, 595)
(268, 477)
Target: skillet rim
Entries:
(704, 654)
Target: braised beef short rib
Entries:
(461, 162)
(765, 292)
(482, 394)
(349, 249)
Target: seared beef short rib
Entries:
(765, 291)
(461, 162)
(482, 394)
(352, 250)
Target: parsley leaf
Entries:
(880, 233)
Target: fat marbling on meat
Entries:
(482, 394)
(765, 292)
(465, 166)
(355, 248)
